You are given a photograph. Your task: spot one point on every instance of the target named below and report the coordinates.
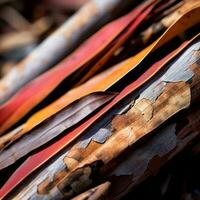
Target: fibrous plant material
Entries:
(38, 159)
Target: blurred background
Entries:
(23, 24)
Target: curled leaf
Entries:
(38, 89)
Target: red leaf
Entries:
(34, 92)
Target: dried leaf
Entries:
(34, 92)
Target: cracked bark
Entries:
(174, 97)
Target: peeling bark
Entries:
(102, 83)
(96, 193)
(93, 48)
(145, 160)
(92, 150)
(174, 97)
